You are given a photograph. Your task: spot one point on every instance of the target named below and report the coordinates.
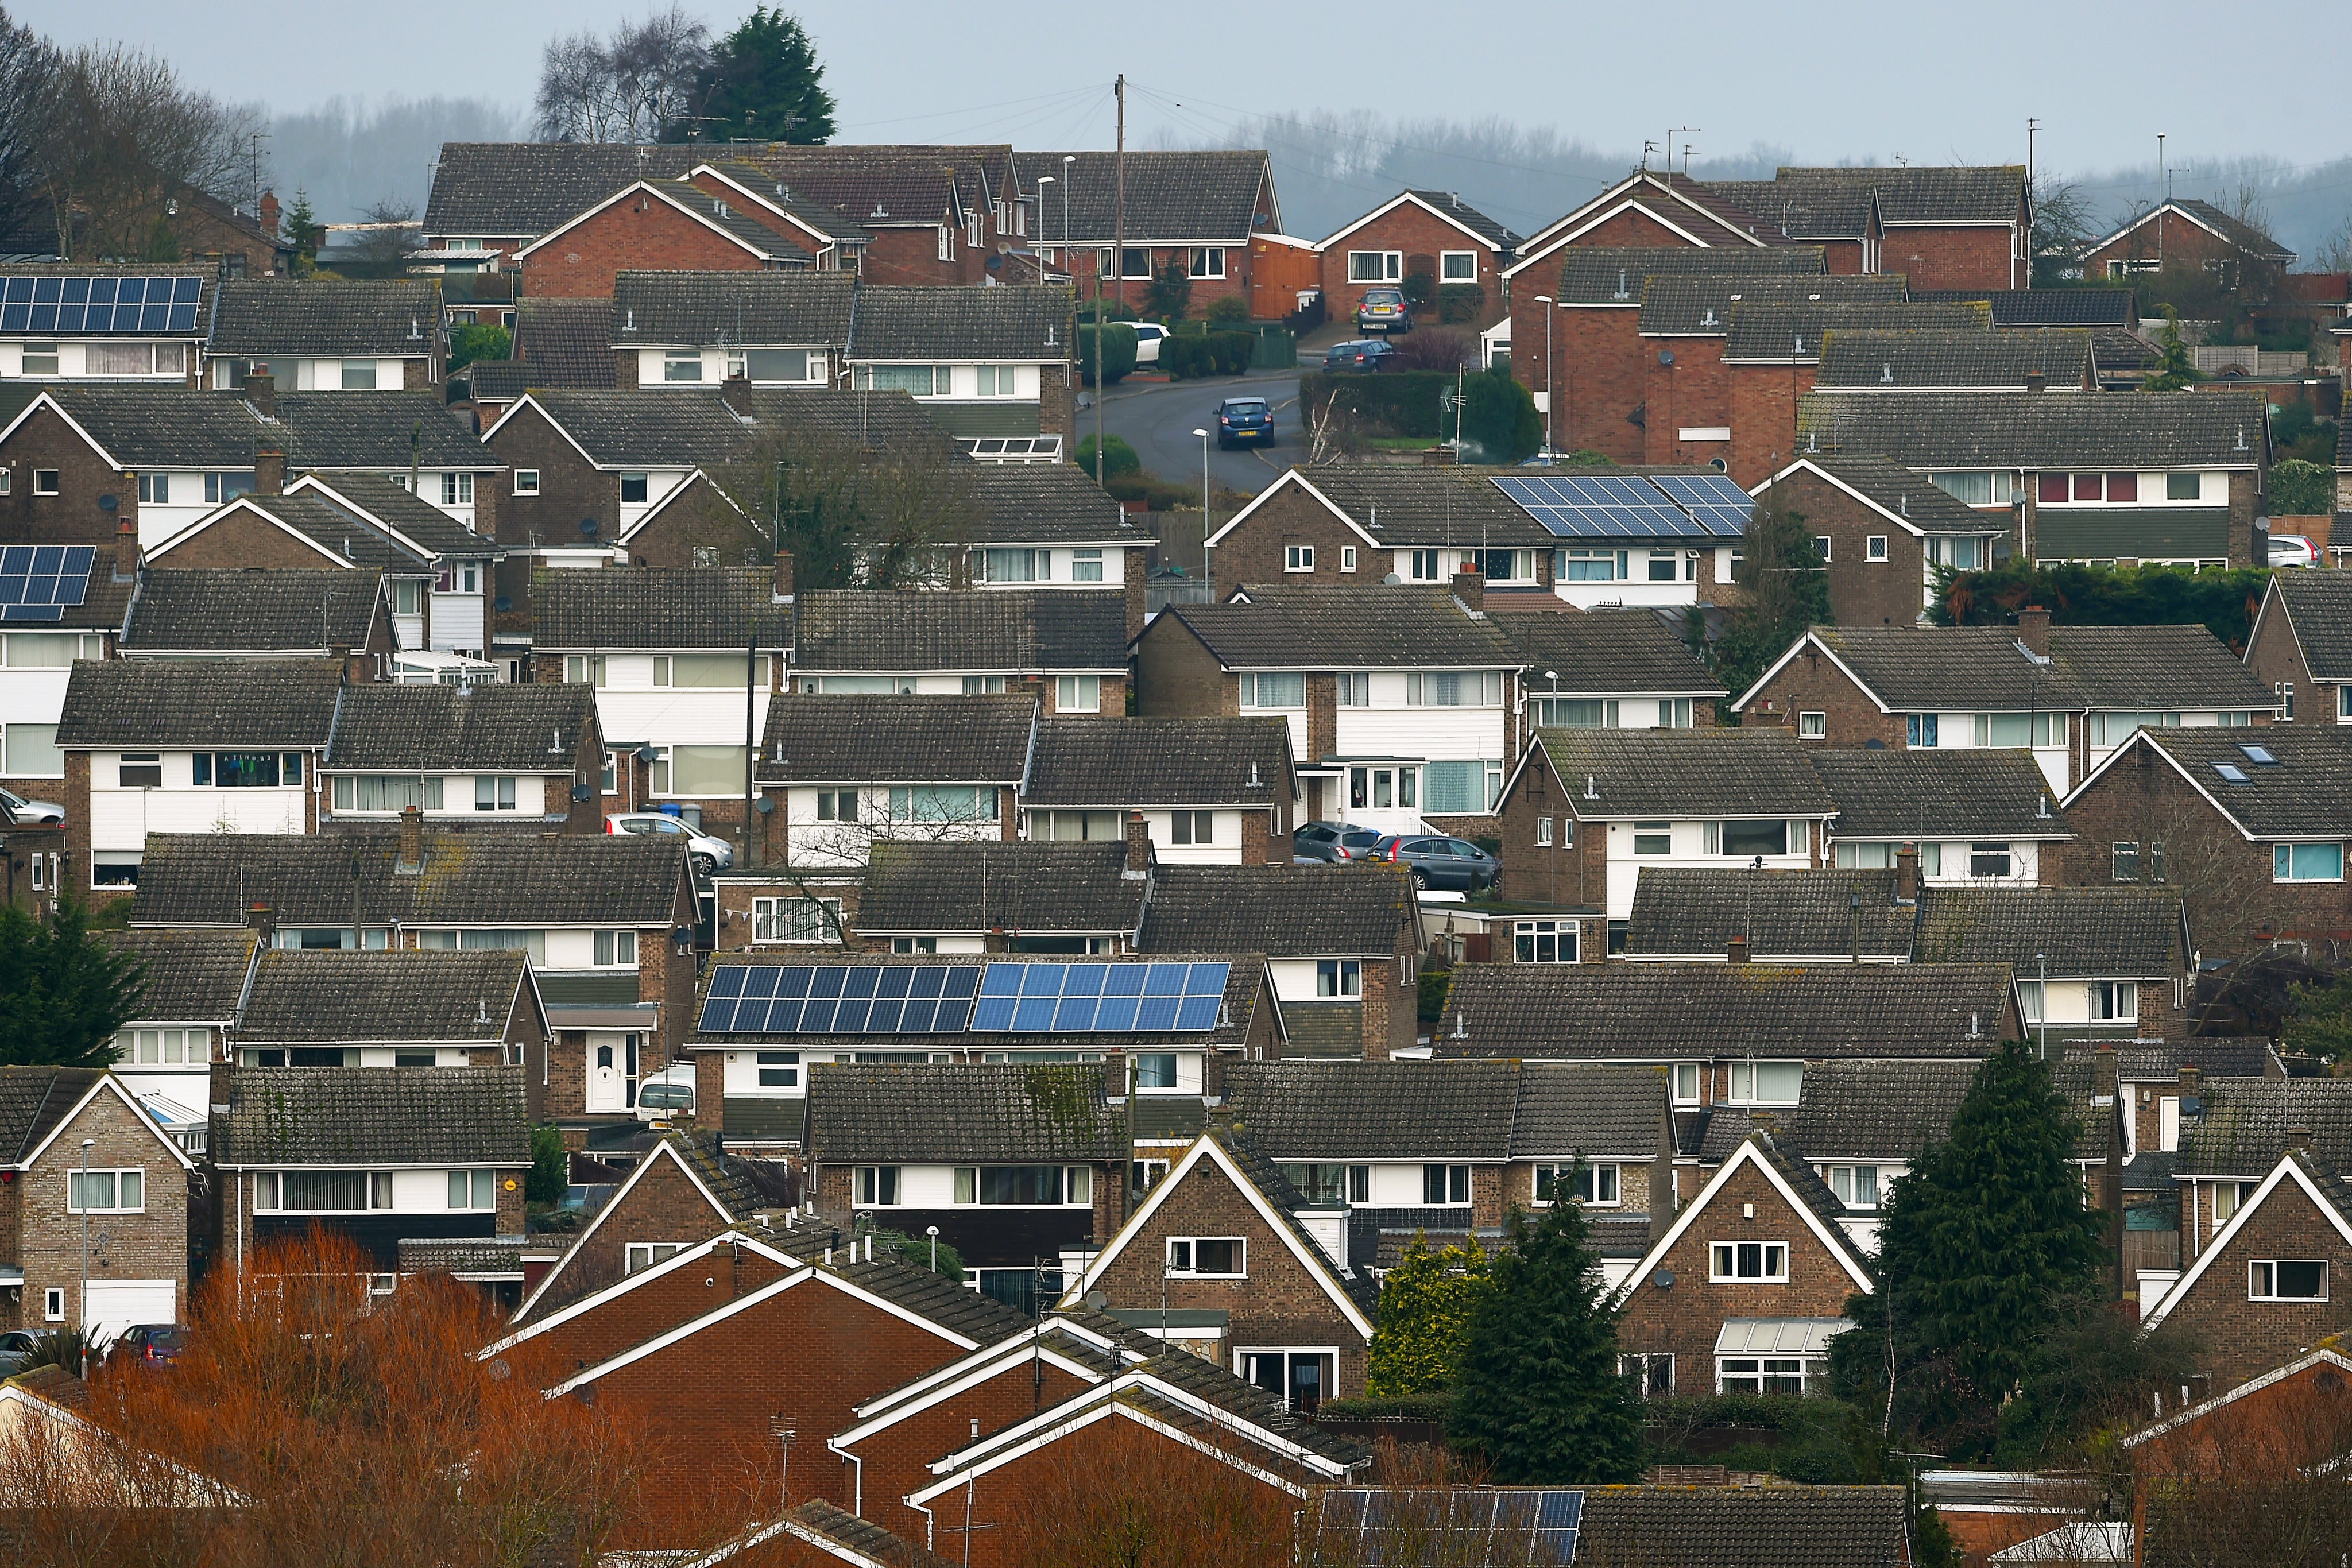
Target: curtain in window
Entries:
(1449, 787)
(706, 771)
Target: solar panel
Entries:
(838, 998)
(1422, 1525)
(1717, 503)
(1098, 998)
(39, 582)
(87, 306)
(1599, 505)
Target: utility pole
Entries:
(2163, 195)
(2032, 125)
(1119, 269)
(1678, 131)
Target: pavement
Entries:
(1158, 418)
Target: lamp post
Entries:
(1204, 482)
(83, 1308)
(1067, 159)
(1043, 180)
(1545, 300)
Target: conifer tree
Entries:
(1426, 1304)
(63, 991)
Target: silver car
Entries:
(24, 811)
(709, 855)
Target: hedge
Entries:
(1404, 403)
(1118, 352)
(1460, 302)
(1208, 354)
(1405, 1408)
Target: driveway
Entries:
(1158, 419)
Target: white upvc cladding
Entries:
(653, 367)
(2206, 718)
(660, 483)
(73, 361)
(535, 794)
(460, 622)
(1061, 562)
(1957, 732)
(120, 819)
(313, 374)
(673, 716)
(820, 839)
(1688, 840)
(1944, 862)
(412, 1192)
(1224, 847)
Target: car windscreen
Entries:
(1250, 406)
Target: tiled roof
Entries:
(468, 879)
(1463, 212)
(343, 535)
(2307, 793)
(740, 309)
(391, 431)
(897, 739)
(168, 427)
(727, 1177)
(532, 728)
(164, 703)
(1281, 911)
(1042, 503)
(1834, 203)
(2117, 349)
(415, 517)
(1318, 1030)
(2078, 932)
(1792, 332)
(826, 220)
(374, 1115)
(34, 1100)
(868, 1541)
(500, 190)
(1030, 324)
(2037, 431)
(682, 608)
(885, 185)
(2243, 1128)
(1347, 628)
(1692, 911)
(1614, 275)
(1375, 1110)
(1901, 491)
(1013, 630)
(2135, 667)
(1131, 763)
(888, 422)
(393, 996)
(1590, 1109)
(1171, 196)
(1002, 1115)
(1685, 772)
(766, 242)
(254, 610)
(1716, 1527)
(2217, 1056)
(1605, 651)
(2244, 236)
(1971, 793)
(561, 343)
(1027, 884)
(393, 318)
(1452, 506)
(2044, 306)
(1911, 359)
(1917, 668)
(1703, 304)
(209, 273)
(646, 429)
(1659, 1013)
(187, 975)
(2318, 605)
(1875, 1110)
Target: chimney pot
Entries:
(1470, 588)
(1906, 874)
(261, 919)
(1735, 950)
(2033, 630)
(412, 841)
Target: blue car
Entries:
(1241, 419)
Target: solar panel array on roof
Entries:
(79, 307)
(1403, 1525)
(1712, 499)
(839, 998)
(37, 583)
(1618, 505)
(1098, 998)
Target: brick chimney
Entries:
(735, 392)
(2036, 381)
(1138, 845)
(126, 552)
(783, 569)
(261, 392)
(2103, 1071)
(2033, 630)
(268, 471)
(2299, 1138)
(261, 920)
(1735, 950)
(266, 211)
(412, 841)
(1906, 874)
(2189, 1079)
(1470, 589)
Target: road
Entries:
(1158, 418)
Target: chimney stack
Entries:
(261, 920)
(126, 552)
(1470, 588)
(268, 471)
(412, 841)
(2036, 381)
(1138, 845)
(783, 571)
(735, 392)
(2189, 1078)
(1906, 874)
(266, 211)
(1735, 950)
(2103, 1074)
(261, 392)
(2299, 1138)
(2033, 630)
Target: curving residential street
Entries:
(1158, 418)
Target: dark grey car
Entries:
(1332, 841)
(1440, 863)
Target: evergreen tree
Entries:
(1537, 1390)
(1426, 1303)
(305, 233)
(1787, 590)
(63, 992)
(764, 83)
(2176, 367)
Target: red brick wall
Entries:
(2274, 657)
(664, 1206)
(1692, 393)
(656, 1305)
(2242, 1338)
(1811, 684)
(1952, 257)
(1416, 232)
(1842, 257)
(1863, 591)
(895, 1459)
(1176, 674)
(1763, 418)
(1573, 870)
(1254, 552)
(72, 515)
(637, 235)
(1599, 382)
(47, 1240)
(243, 540)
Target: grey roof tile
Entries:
(2079, 932)
(531, 728)
(2243, 236)
(343, 535)
(1703, 304)
(1024, 885)
(1974, 793)
(1452, 505)
(1902, 491)
(393, 318)
(1460, 212)
(1375, 1110)
(400, 994)
(34, 1100)
(168, 427)
(1281, 911)
(1614, 275)
(884, 422)
(1317, 1030)
(2215, 1056)
(389, 431)
(2244, 1126)
(372, 1115)
(1040, 504)
(411, 515)
(254, 610)
(1687, 772)
(1917, 668)
(163, 703)
(2037, 431)
(1124, 764)
(1772, 332)
(188, 977)
(645, 428)
(2044, 306)
(740, 309)
(2307, 793)
(563, 343)
(686, 608)
(1018, 632)
(1715, 1527)
(770, 244)
(1912, 359)
(897, 739)
(885, 185)
(1605, 651)
(1875, 1110)
(1692, 911)
(2135, 667)
(1000, 1115)
(1347, 628)
(869, 1542)
(1027, 325)
(1596, 1109)
(1198, 197)
(520, 189)
(2318, 605)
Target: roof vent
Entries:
(1886, 375)
(2042, 808)
(631, 325)
(1253, 782)
(1621, 291)
(555, 743)
(1461, 1025)
(1590, 791)
(1709, 319)
(1376, 517)
(1907, 503)
(1812, 297)
(481, 1010)
(414, 335)
(2241, 438)
(1974, 1031)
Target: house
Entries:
(89, 591)
(1041, 525)
(557, 344)
(1188, 212)
(75, 1145)
(374, 1154)
(1608, 669)
(684, 662)
(675, 224)
(2122, 357)
(1210, 791)
(141, 323)
(450, 614)
(524, 758)
(270, 612)
(319, 336)
(1963, 226)
(1456, 252)
(164, 745)
(2184, 233)
(191, 993)
(1886, 534)
(1586, 810)
(403, 1008)
(2106, 962)
(2299, 647)
(267, 529)
(818, 1534)
(981, 362)
(1071, 647)
(1342, 943)
(2286, 1422)
(1856, 358)
(1030, 896)
(844, 771)
(2069, 695)
(1346, 526)
(697, 329)
(1695, 915)
(1972, 816)
(1354, 672)
(2230, 1133)
(2161, 476)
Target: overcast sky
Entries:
(1831, 81)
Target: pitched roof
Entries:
(533, 728)
(1027, 884)
(1900, 490)
(704, 607)
(2036, 431)
(1659, 1013)
(1605, 651)
(861, 1541)
(1685, 772)
(1614, 275)
(207, 273)
(1131, 763)
(1834, 203)
(1867, 1108)
(2134, 667)
(2044, 306)
(188, 976)
(885, 185)
(1403, 507)
(341, 537)
(765, 240)
(969, 322)
(396, 995)
(739, 309)
(962, 1112)
(468, 879)
(1347, 628)
(415, 517)
(2244, 1126)
(560, 342)
(880, 422)
(1375, 1110)
(500, 190)
(2318, 605)
(1591, 1109)
(2239, 234)
(1016, 631)
(2079, 932)
(34, 1100)
(1693, 912)
(383, 430)
(645, 428)
(396, 318)
(2217, 1056)
(2306, 793)
(1041, 502)
(1823, 1526)
(374, 1115)
(1913, 360)
(1703, 304)
(1793, 331)
(897, 739)
(1281, 911)
(152, 703)
(168, 427)
(1918, 668)
(1203, 195)
(1976, 792)
(254, 610)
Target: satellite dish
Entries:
(108, 503)
(582, 793)
(502, 604)
(1666, 356)
(649, 753)
(1391, 580)
(588, 528)
(765, 806)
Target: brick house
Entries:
(1068, 647)
(1955, 802)
(402, 1008)
(51, 333)
(137, 1180)
(374, 1154)
(2285, 1421)
(1890, 532)
(1195, 212)
(1950, 227)
(1430, 235)
(2299, 649)
(2229, 1133)
(1352, 524)
(842, 771)
(320, 335)
(1744, 1291)
(192, 990)
(1210, 791)
(2161, 476)
(449, 613)
(90, 606)
(2184, 233)
(694, 329)
(2121, 358)
(489, 755)
(669, 225)
(305, 532)
(1031, 896)
(1049, 525)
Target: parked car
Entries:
(1148, 336)
(24, 811)
(1383, 311)
(1332, 841)
(1440, 863)
(667, 1093)
(17, 1351)
(153, 1347)
(2293, 549)
(708, 854)
(1364, 354)
(1241, 419)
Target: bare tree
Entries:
(120, 137)
(850, 515)
(631, 86)
(2334, 253)
(387, 232)
(28, 72)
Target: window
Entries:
(2128, 866)
(2285, 690)
(584, 669)
(2184, 486)
(2114, 728)
(612, 948)
(1685, 1082)
(921, 380)
(877, 1186)
(1543, 832)
(525, 482)
(1209, 1257)
(2279, 1281)
(934, 802)
(44, 481)
(1338, 978)
(2114, 1000)
(155, 489)
(641, 1255)
(1453, 688)
(1205, 261)
(1856, 1185)
(1762, 1375)
(40, 359)
(1077, 693)
(1989, 859)
(1822, 546)
(983, 686)
(699, 770)
(1747, 840)
(1346, 558)
(2088, 487)
(1375, 266)
(997, 380)
(1653, 839)
(457, 489)
(1086, 565)
(1505, 565)
(1155, 1069)
(796, 919)
(1355, 688)
(1457, 266)
(836, 805)
(765, 365)
(1444, 1187)
(1873, 547)
(106, 1192)
(472, 1189)
(1298, 558)
(1426, 567)
(1759, 1260)
(1270, 690)
(407, 596)
(161, 1047)
(53, 1304)
(1812, 725)
(1019, 565)
(2021, 729)
(2123, 486)
(386, 792)
(2307, 863)
(1192, 826)
(1544, 941)
(137, 771)
(682, 365)
(779, 1070)
(633, 490)
(323, 1192)
(1652, 1377)
(1767, 1083)
(1025, 1186)
(1329, 1186)
(246, 769)
(221, 488)
(1972, 489)
(494, 793)
(1919, 729)
(1594, 1185)
(359, 375)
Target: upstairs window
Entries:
(1298, 558)
(1208, 1257)
(1594, 1185)
(2307, 863)
(1752, 1262)
(1338, 978)
(682, 365)
(1205, 261)
(1767, 1083)
(1274, 689)
(1445, 1187)
(2280, 1280)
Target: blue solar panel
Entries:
(39, 582)
(1723, 506)
(1098, 998)
(87, 306)
(837, 999)
(1419, 1525)
(1599, 505)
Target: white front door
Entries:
(612, 1070)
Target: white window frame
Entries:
(1688, 1082)
(1771, 1251)
(114, 1175)
(1187, 1250)
(1761, 1368)
(1298, 558)
(1346, 977)
(2283, 863)
(1641, 1368)
(639, 1256)
(1077, 693)
(1842, 1183)
(473, 1191)
(526, 481)
(1873, 547)
(1444, 266)
(46, 481)
(879, 1187)
(1749, 1070)
(53, 1304)
(1347, 563)
(1469, 1184)
(1605, 1177)
(1387, 266)
(1204, 261)
(1812, 725)
(2256, 1291)
(1529, 938)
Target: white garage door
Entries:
(116, 1304)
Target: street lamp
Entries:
(1043, 180)
(86, 1145)
(1204, 482)
(1067, 159)
(1545, 300)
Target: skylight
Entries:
(2232, 773)
(2260, 756)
